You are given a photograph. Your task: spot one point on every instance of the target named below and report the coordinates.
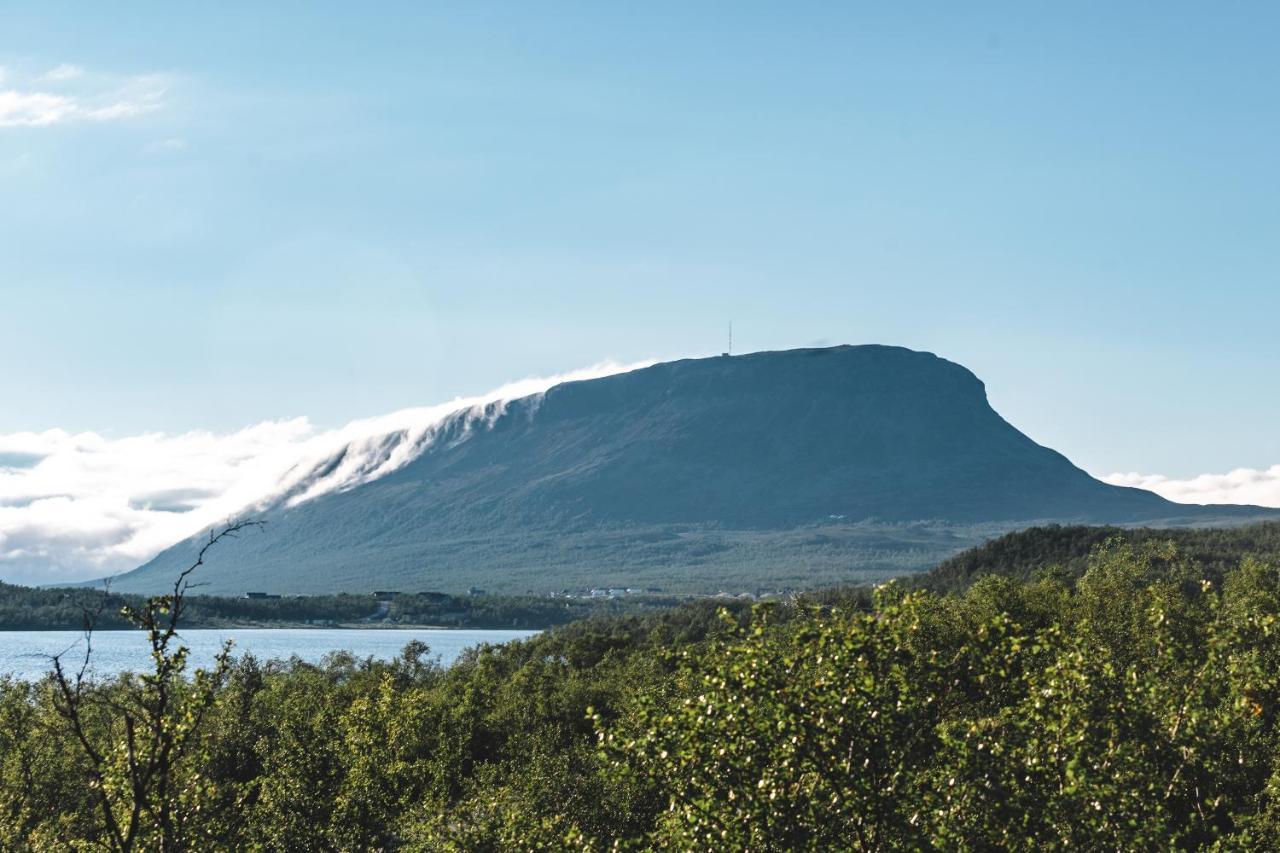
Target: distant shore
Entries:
(67, 609)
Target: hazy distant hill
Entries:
(774, 469)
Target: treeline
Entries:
(26, 608)
(1136, 706)
(516, 611)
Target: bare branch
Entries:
(154, 740)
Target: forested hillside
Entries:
(1134, 707)
(1066, 549)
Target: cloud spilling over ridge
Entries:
(1241, 486)
(77, 506)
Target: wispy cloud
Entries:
(75, 506)
(33, 109)
(62, 73)
(68, 93)
(1241, 486)
(165, 147)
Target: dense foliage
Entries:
(1137, 707)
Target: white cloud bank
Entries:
(79, 506)
(1241, 486)
(68, 93)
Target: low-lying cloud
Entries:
(1241, 486)
(78, 506)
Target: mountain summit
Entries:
(774, 468)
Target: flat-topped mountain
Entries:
(772, 469)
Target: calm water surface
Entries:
(25, 654)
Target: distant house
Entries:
(258, 596)
(475, 590)
(385, 593)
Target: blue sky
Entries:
(220, 216)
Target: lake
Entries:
(25, 654)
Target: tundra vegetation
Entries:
(1131, 701)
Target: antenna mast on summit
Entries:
(729, 351)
